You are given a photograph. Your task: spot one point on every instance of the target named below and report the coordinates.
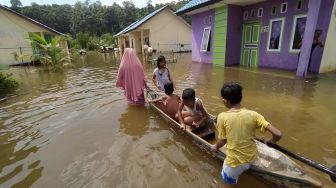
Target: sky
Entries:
(137, 3)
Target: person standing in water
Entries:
(316, 42)
(161, 74)
(131, 78)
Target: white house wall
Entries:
(328, 62)
(13, 33)
(167, 32)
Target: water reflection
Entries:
(74, 128)
(134, 121)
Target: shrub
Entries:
(7, 84)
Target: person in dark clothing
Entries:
(316, 42)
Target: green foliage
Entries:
(7, 84)
(20, 57)
(51, 54)
(15, 4)
(92, 18)
(82, 39)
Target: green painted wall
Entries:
(220, 36)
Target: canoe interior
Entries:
(272, 166)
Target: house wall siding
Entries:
(168, 32)
(234, 36)
(198, 25)
(13, 35)
(328, 62)
(286, 59)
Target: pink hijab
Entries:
(131, 76)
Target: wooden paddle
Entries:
(330, 171)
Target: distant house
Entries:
(263, 33)
(162, 30)
(14, 29)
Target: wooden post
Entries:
(144, 59)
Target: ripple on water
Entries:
(44, 112)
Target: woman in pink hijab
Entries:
(131, 78)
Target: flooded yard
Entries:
(75, 129)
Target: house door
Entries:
(250, 44)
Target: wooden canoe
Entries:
(272, 166)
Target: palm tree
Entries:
(50, 54)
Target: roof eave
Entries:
(32, 21)
(179, 13)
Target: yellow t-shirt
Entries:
(239, 127)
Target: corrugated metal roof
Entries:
(31, 20)
(195, 4)
(126, 28)
(138, 23)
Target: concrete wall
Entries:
(328, 62)
(167, 32)
(197, 34)
(13, 33)
(234, 36)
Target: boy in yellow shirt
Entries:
(236, 128)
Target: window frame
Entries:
(262, 12)
(282, 19)
(291, 50)
(245, 15)
(281, 7)
(208, 30)
(297, 3)
(275, 9)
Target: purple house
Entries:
(280, 34)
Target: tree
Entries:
(15, 3)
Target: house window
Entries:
(245, 15)
(205, 45)
(208, 21)
(260, 12)
(252, 13)
(275, 34)
(284, 7)
(273, 11)
(146, 41)
(299, 5)
(298, 29)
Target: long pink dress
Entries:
(131, 78)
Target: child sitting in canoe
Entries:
(191, 113)
(170, 102)
(236, 128)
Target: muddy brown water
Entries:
(75, 129)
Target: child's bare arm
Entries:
(170, 78)
(180, 118)
(220, 143)
(276, 134)
(157, 100)
(205, 115)
(154, 81)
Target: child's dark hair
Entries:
(169, 88)
(232, 92)
(159, 59)
(188, 94)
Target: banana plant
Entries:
(50, 53)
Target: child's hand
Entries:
(183, 126)
(196, 124)
(214, 148)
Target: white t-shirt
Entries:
(163, 78)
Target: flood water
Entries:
(75, 129)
